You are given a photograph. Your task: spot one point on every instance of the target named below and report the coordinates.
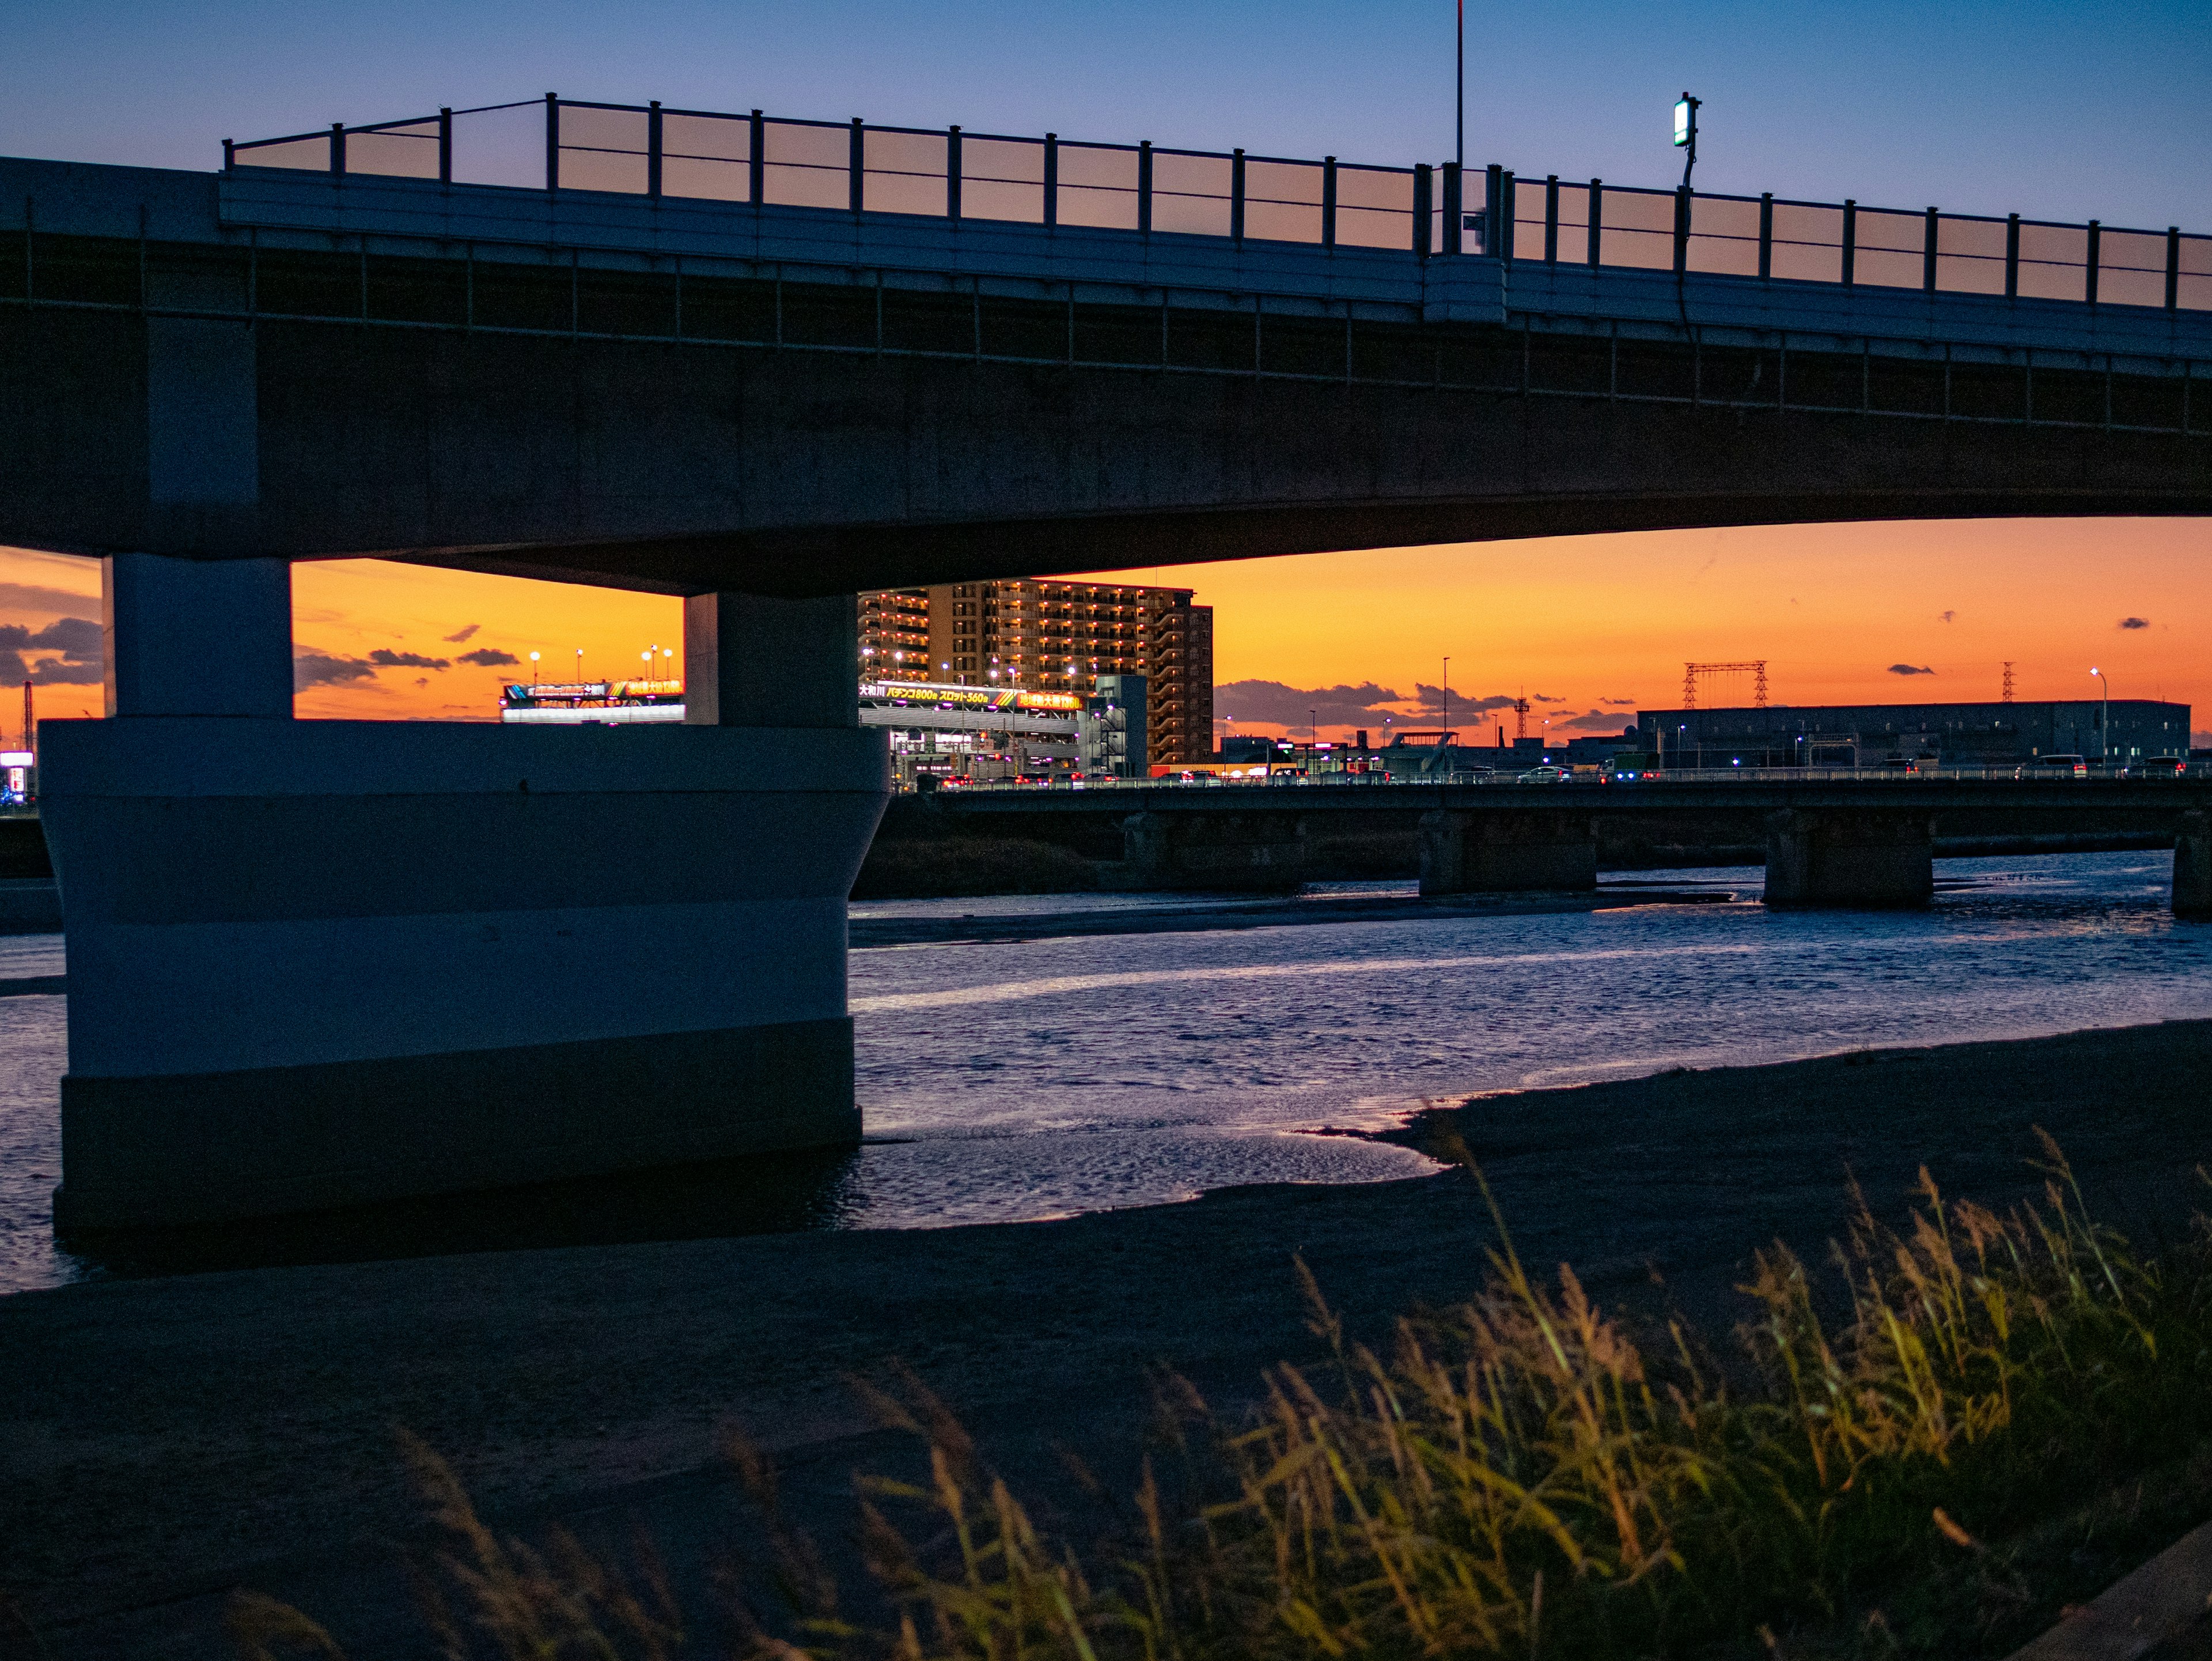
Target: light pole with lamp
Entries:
(580, 665)
(1686, 133)
(533, 668)
(2105, 719)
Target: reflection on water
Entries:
(1012, 1080)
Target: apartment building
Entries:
(1054, 636)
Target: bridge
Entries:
(1826, 842)
(765, 364)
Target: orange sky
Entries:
(1589, 624)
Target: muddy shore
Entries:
(163, 1440)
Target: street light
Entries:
(533, 668)
(2105, 721)
(1685, 131)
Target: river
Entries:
(1008, 1081)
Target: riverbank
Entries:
(163, 1440)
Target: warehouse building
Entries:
(1949, 734)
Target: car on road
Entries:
(1543, 775)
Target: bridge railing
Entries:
(1509, 778)
(559, 144)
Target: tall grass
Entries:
(1516, 1476)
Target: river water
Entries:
(1008, 1081)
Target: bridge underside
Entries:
(825, 463)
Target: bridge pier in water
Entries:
(1861, 857)
(2192, 865)
(1520, 851)
(1262, 851)
(317, 964)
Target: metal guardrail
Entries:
(555, 144)
(2027, 773)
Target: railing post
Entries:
(1596, 222)
(2012, 257)
(1681, 229)
(1765, 236)
(756, 160)
(1507, 212)
(1144, 187)
(952, 173)
(337, 149)
(1850, 241)
(1928, 254)
(1237, 197)
(2173, 268)
(445, 146)
(1493, 234)
(856, 168)
(1551, 219)
(1328, 216)
(230, 155)
(653, 151)
(1051, 179)
(2089, 283)
(552, 142)
(1424, 207)
(1451, 237)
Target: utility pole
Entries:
(1445, 722)
(1459, 154)
(2105, 719)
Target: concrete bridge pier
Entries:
(316, 963)
(1260, 852)
(2192, 865)
(1518, 851)
(1874, 858)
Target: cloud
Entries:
(2135, 622)
(36, 598)
(462, 633)
(385, 658)
(79, 640)
(1910, 669)
(320, 669)
(1619, 703)
(1945, 616)
(1274, 704)
(486, 657)
(1427, 696)
(1545, 697)
(1597, 721)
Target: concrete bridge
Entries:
(765, 364)
(1825, 844)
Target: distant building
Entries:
(1954, 734)
(1055, 637)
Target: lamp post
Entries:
(1445, 722)
(533, 668)
(2105, 719)
(1686, 133)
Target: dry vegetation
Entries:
(1975, 1420)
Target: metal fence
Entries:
(558, 144)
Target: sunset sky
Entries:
(2062, 109)
(1592, 627)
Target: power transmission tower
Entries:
(2007, 684)
(1755, 668)
(1520, 716)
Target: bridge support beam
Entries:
(1875, 858)
(1509, 851)
(1262, 852)
(318, 964)
(2192, 865)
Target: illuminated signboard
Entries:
(592, 692)
(929, 695)
(1682, 123)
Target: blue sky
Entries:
(2053, 111)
